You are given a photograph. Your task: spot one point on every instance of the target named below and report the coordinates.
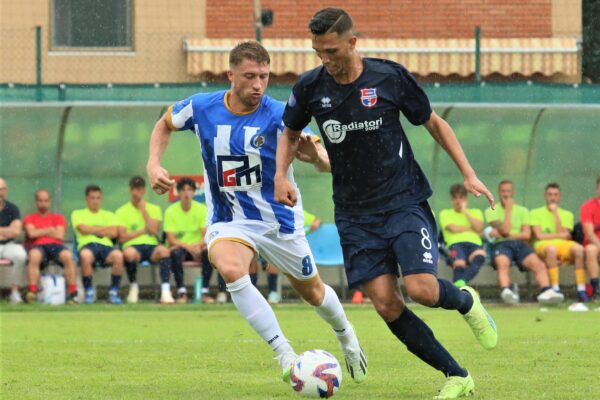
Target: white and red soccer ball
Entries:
(316, 373)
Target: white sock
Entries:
(255, 309)
(581, 287)
(182, 290)
(556, 288)
(165, 287)
(133, 285)
(332, 312)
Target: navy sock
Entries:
(420, 341)
(177, 257)
(452, 298)
(595, 286)
(222, 285)
(115, 282)
(164, 265)
(542, 290)
(458, 273)
(272, 279)
(254, 278)
(131, 268)
(474, 268)
(87, 282)
(207, 270)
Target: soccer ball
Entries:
(316, 373)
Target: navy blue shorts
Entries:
(462, 250)
(515, 250)
(374, 245)
(145, 251)
(100, 252)
(50, 252)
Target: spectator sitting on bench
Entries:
(139, 225)
(95, 230)
(185, 227)
(462, 228)
(45, 233)
(552, 228)
(10, 228)
(511, 233)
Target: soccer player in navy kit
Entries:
(379, 191)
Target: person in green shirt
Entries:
(139, 225)
(95, 230)
(511, 232)
(184, 227)
(462, 228)
(552, 228)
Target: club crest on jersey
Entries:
(234, 172)
(368, 97)
(257, 141)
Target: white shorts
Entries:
(288, 252)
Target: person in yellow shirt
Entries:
(511, 232)
(462, 228)
(185, 226)
(139, 226)
(95, 230)
(552, 228)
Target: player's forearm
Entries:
(127, 236)
(159, 140)
(476, 224)
(108, 231)
(322, 164)
(9, 232)
(152, 226)
(34, 233)
(286, 151)
(589, 234)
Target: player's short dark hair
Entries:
(137, 182)
(330, 20)
(458, 190)
(92, 188)
(552, 185)
(249, 50)
(506, 182)
(183, 182)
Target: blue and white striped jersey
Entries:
(239, 159)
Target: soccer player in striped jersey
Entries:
(238, 130)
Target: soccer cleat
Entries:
(167, 298)
(31, 297)
(509, 297)
(285, 361)
(182, 298)
(460, 283)
(455, 387)
(134, 294)
(550, 297)
(578, 307)
(72, 298)
(481, 322)
(274, 298)
(221, 298)
(113, 297)
(206, 299)
(356, 361)
(15, 297)
(90, 297)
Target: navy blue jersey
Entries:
(372, 163)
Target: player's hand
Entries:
(477, 188)
(307, 150)
(553, 207)
(160, 181)
(285, 192)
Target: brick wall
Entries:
(389, 18)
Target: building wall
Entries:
(406, 18)
(157, 55)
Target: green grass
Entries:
(208, 352)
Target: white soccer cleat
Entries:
(356, 361)
(509, 297)
(15, 297)
(134, 294)
(221, 298)
(274, 298)
(166, 298)
(550, 297)
(578, 307)
(285, 361)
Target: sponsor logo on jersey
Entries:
(427, 258)
(368, 97)
(325, 102)
(234, 172)
(336, 131)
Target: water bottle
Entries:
(198, 290)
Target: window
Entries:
(91, 23)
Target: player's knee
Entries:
(550, 252)
(35, 256)
(65, 256)
(591, 250)
(162, 252)
(577, 250)
(130, 254)
(459, 264)
(86, 256)
(115, 258)
(389, 310)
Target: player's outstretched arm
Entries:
(313, 152)
(444, 135)
(287, 148)
(160, 180)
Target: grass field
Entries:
(208, 352)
